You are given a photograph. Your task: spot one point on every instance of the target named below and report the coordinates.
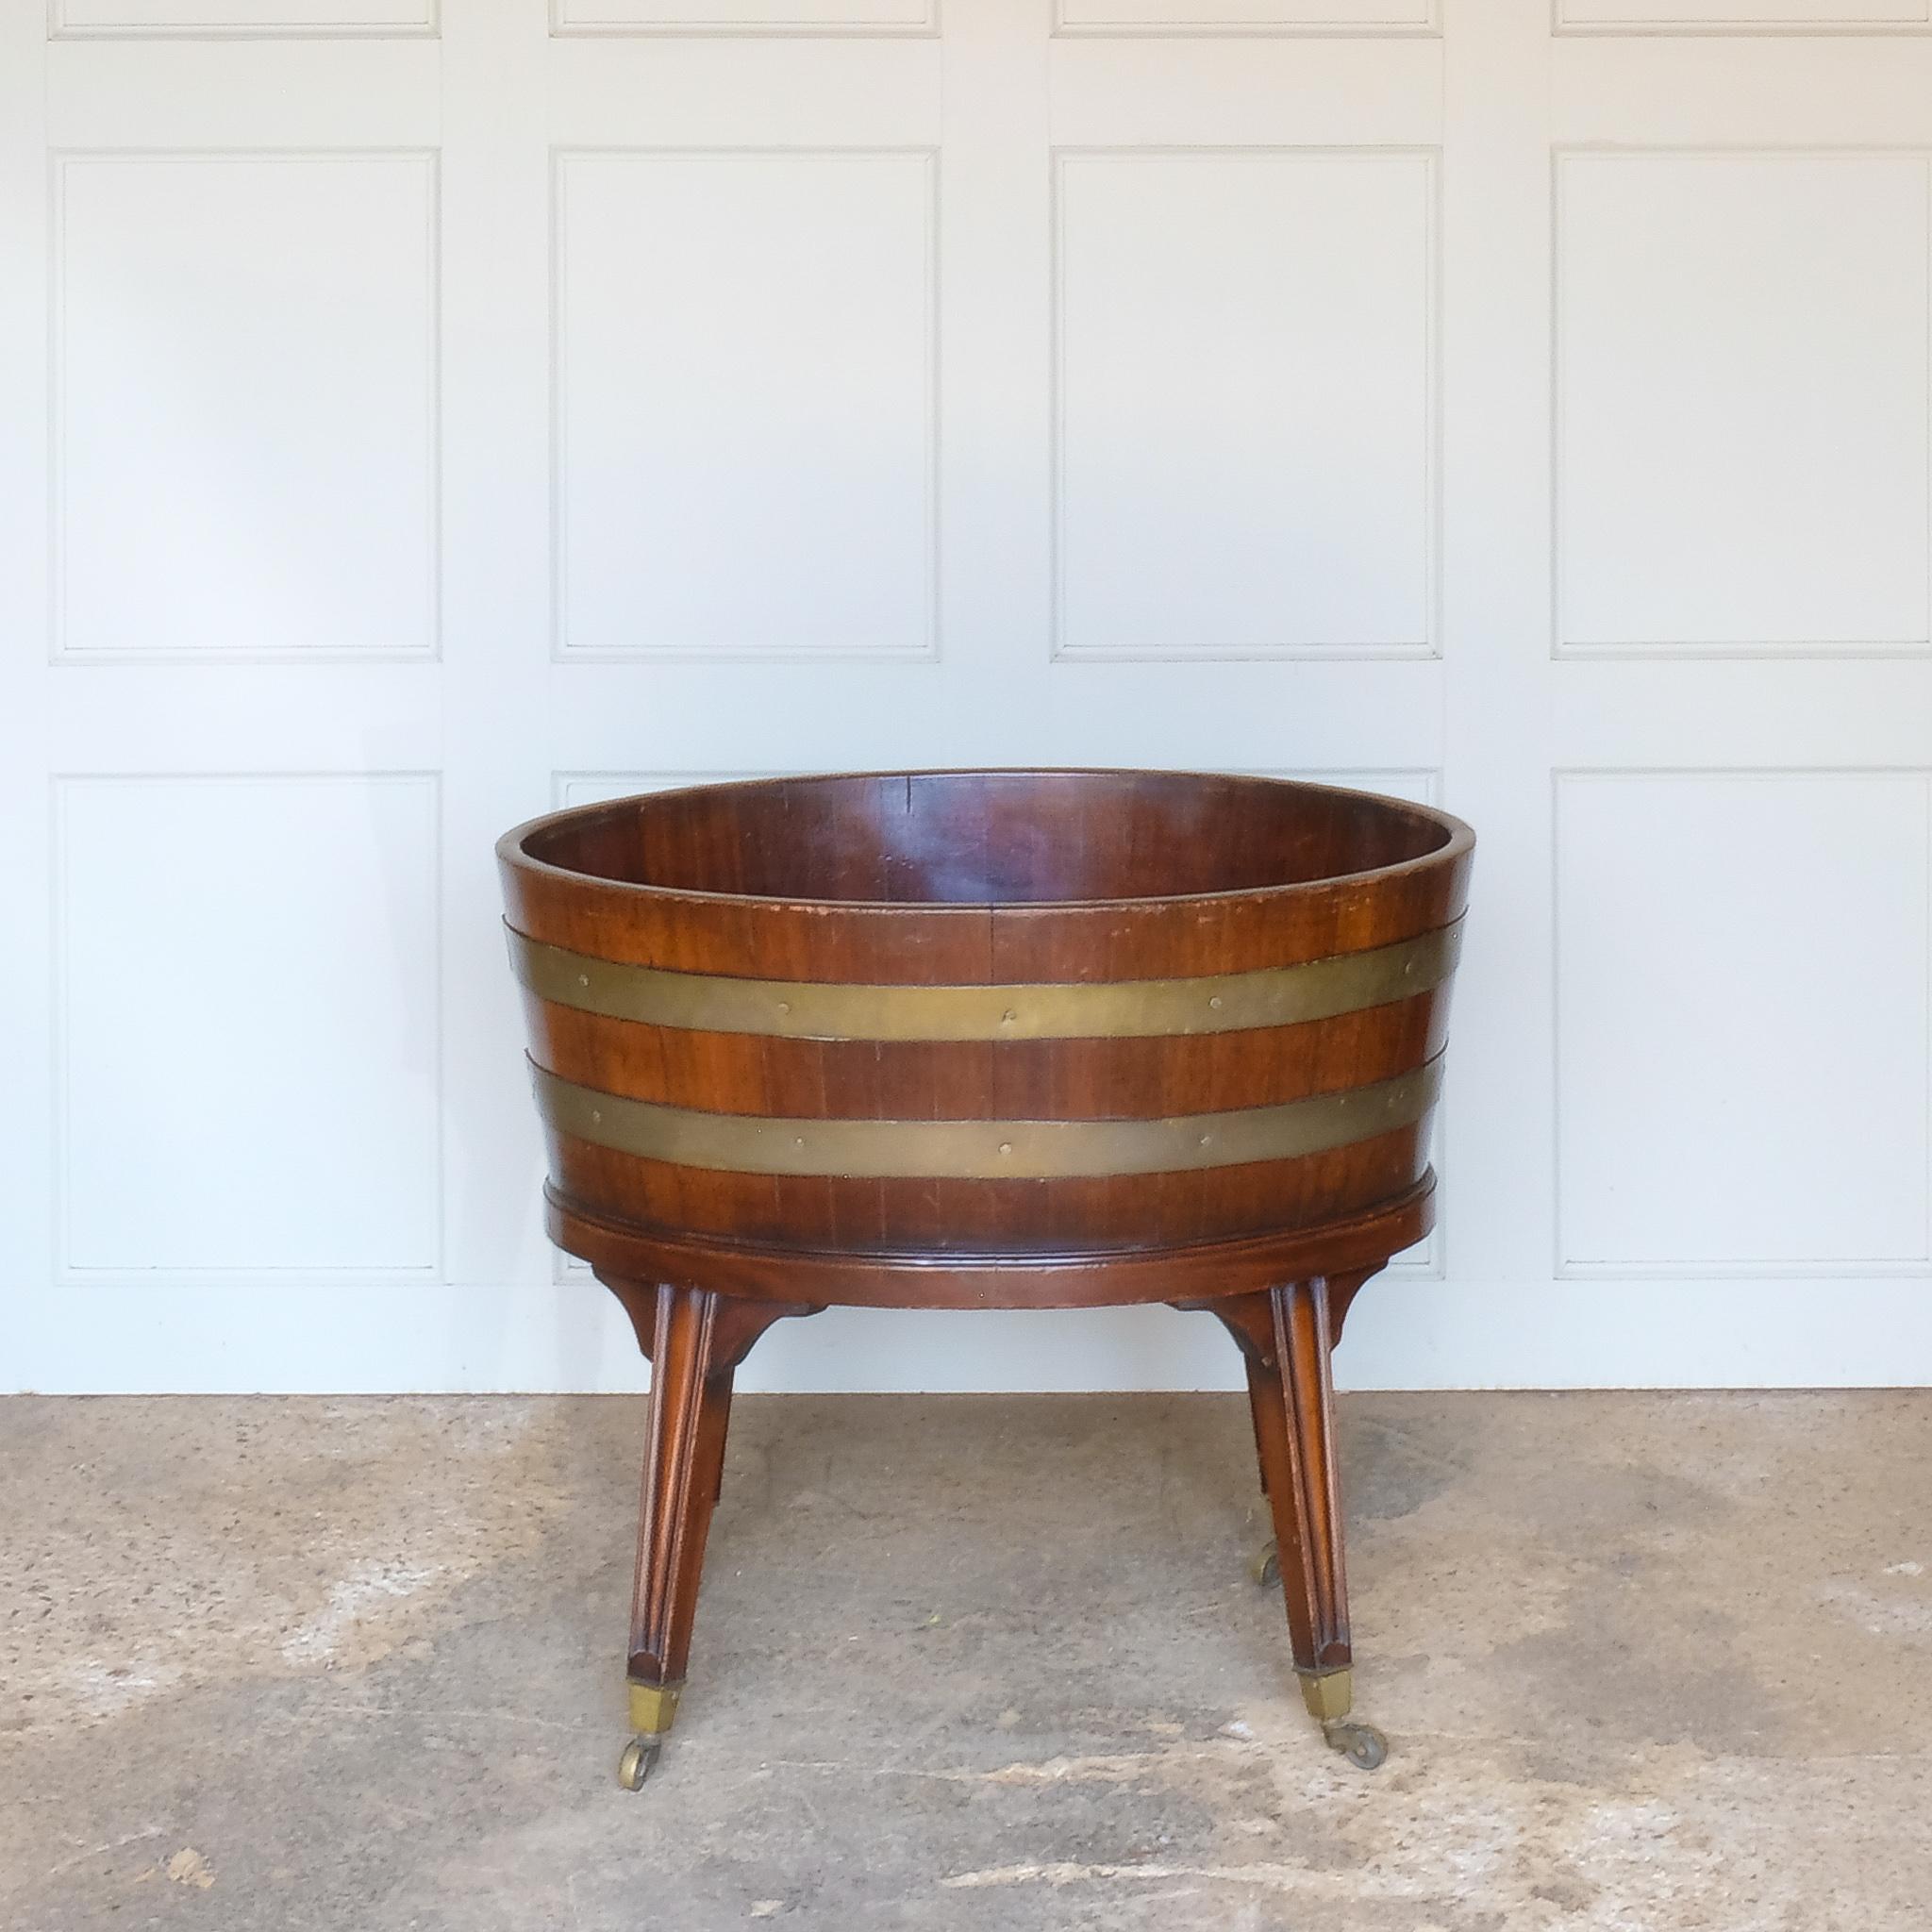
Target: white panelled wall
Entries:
(412, 418)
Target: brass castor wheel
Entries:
(1264, 1566)
(634, 1767)
(1362, 1744)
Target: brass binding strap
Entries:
(983, 1150)
(1105, 1009)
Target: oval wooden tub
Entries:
(1001, 1039)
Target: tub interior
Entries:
(988, 837)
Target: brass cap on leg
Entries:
(1327, 1694)
(653, 1706)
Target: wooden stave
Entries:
(988, 837)
(626, 1255)
(1031, 1080)
(1074, 1080)
(920, 942)
(989, 1217)
(923, 944)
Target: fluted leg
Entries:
(1293, 1398)
(696, 1341)
(1286, 1336)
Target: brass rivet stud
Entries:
(784, 1006)
(1215, 1002)
(1006, 1146)
(583, 979)
(1009, 1016)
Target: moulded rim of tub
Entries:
(1457, 842)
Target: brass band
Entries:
(983, 1150)
(1109, 1009)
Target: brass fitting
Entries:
(1327, 1694)
(654, 1705)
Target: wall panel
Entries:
(745, 16)
(1244, 419)
(1743, 1034)
(1743, 438)
(246, 404)
(746, 358)
(247, 1059)
(110, 19)
(1742, 16)
(1184, 17)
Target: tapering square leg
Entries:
(1292, 1399)
(695, 1340)
(1286, 1336)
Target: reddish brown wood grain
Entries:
(986, 878)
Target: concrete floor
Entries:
(1644, 1662)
